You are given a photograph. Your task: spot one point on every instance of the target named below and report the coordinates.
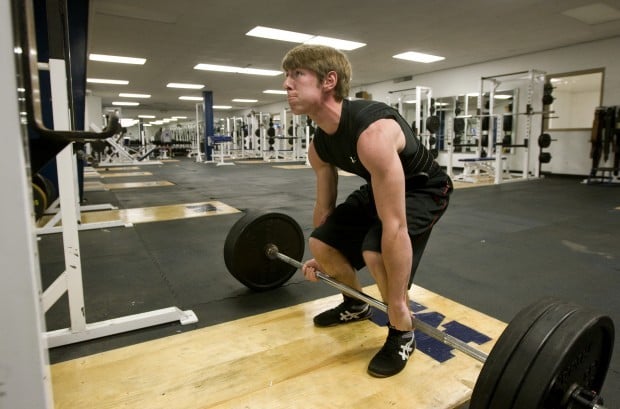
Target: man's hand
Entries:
(310, 268)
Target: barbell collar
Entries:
(271, 250)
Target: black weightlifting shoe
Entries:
(350, 310)
(392, 358)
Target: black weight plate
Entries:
(577, 353)
(459, 125)
(519, 363)
(544, 157)
(39, 201)
(432, 124)
(244, 249)
(544, 140)
(48, 187)
(503, 349)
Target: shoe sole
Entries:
(380, 375)
(343, 322)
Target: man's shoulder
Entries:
(364, 103)
(364, 112)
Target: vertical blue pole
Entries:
(77, 16)
(207, 97)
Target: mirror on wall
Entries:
(575, 97)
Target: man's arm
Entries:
(326, 186)
(378, 148)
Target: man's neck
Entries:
(328, 117)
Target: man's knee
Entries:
(321, 251)
(318, 247)
(330, 258)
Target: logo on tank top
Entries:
(353, 159)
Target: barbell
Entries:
(553, 354)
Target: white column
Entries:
(24, 362)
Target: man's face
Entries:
(303, 90)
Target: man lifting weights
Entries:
(383, 225)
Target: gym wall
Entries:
(570, 150)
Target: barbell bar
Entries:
(272, 252)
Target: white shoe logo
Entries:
(406, 349)
(348, 316)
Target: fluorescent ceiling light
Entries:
(502, 96)
(179, 117)
(186, 98)
(257, 71)
(126, 95)
(276, 34)
(222, 107)
(335, 43)
(104, 81)
(128, 122)
(218, 68)
(244, 100)
(125, 103)
(418, 57)
(117, 59)
(274, 91)
(185, 86)
(294, 37)
(596, 13)
(146, 116)
(237, 70)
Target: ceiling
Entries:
(175, 35)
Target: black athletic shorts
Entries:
(354, 226)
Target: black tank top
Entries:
(340, 149)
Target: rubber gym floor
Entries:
(497, 249)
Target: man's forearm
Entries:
(397, 258)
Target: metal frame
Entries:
(70, 280)
(531, 76)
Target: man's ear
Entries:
(330, 81)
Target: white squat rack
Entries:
(70, 281)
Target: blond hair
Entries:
(321, 60)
